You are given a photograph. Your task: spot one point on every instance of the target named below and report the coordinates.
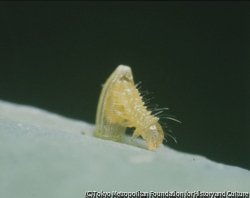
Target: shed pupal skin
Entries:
(130, 111)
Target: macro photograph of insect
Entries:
(121, 105)
(155, 93)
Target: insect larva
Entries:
(121, 106)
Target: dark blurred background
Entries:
(194, 56)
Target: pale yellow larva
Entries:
(121, 106)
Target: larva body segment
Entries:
(120, 106)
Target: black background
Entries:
(194, 56)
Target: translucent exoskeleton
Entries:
(121, 106)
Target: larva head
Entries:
(154, 136)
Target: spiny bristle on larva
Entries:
(145, 93)
(136, 85)
(167, 128)
(156, 112)
(170, 135)
(170, 118)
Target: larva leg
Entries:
(136, 133)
